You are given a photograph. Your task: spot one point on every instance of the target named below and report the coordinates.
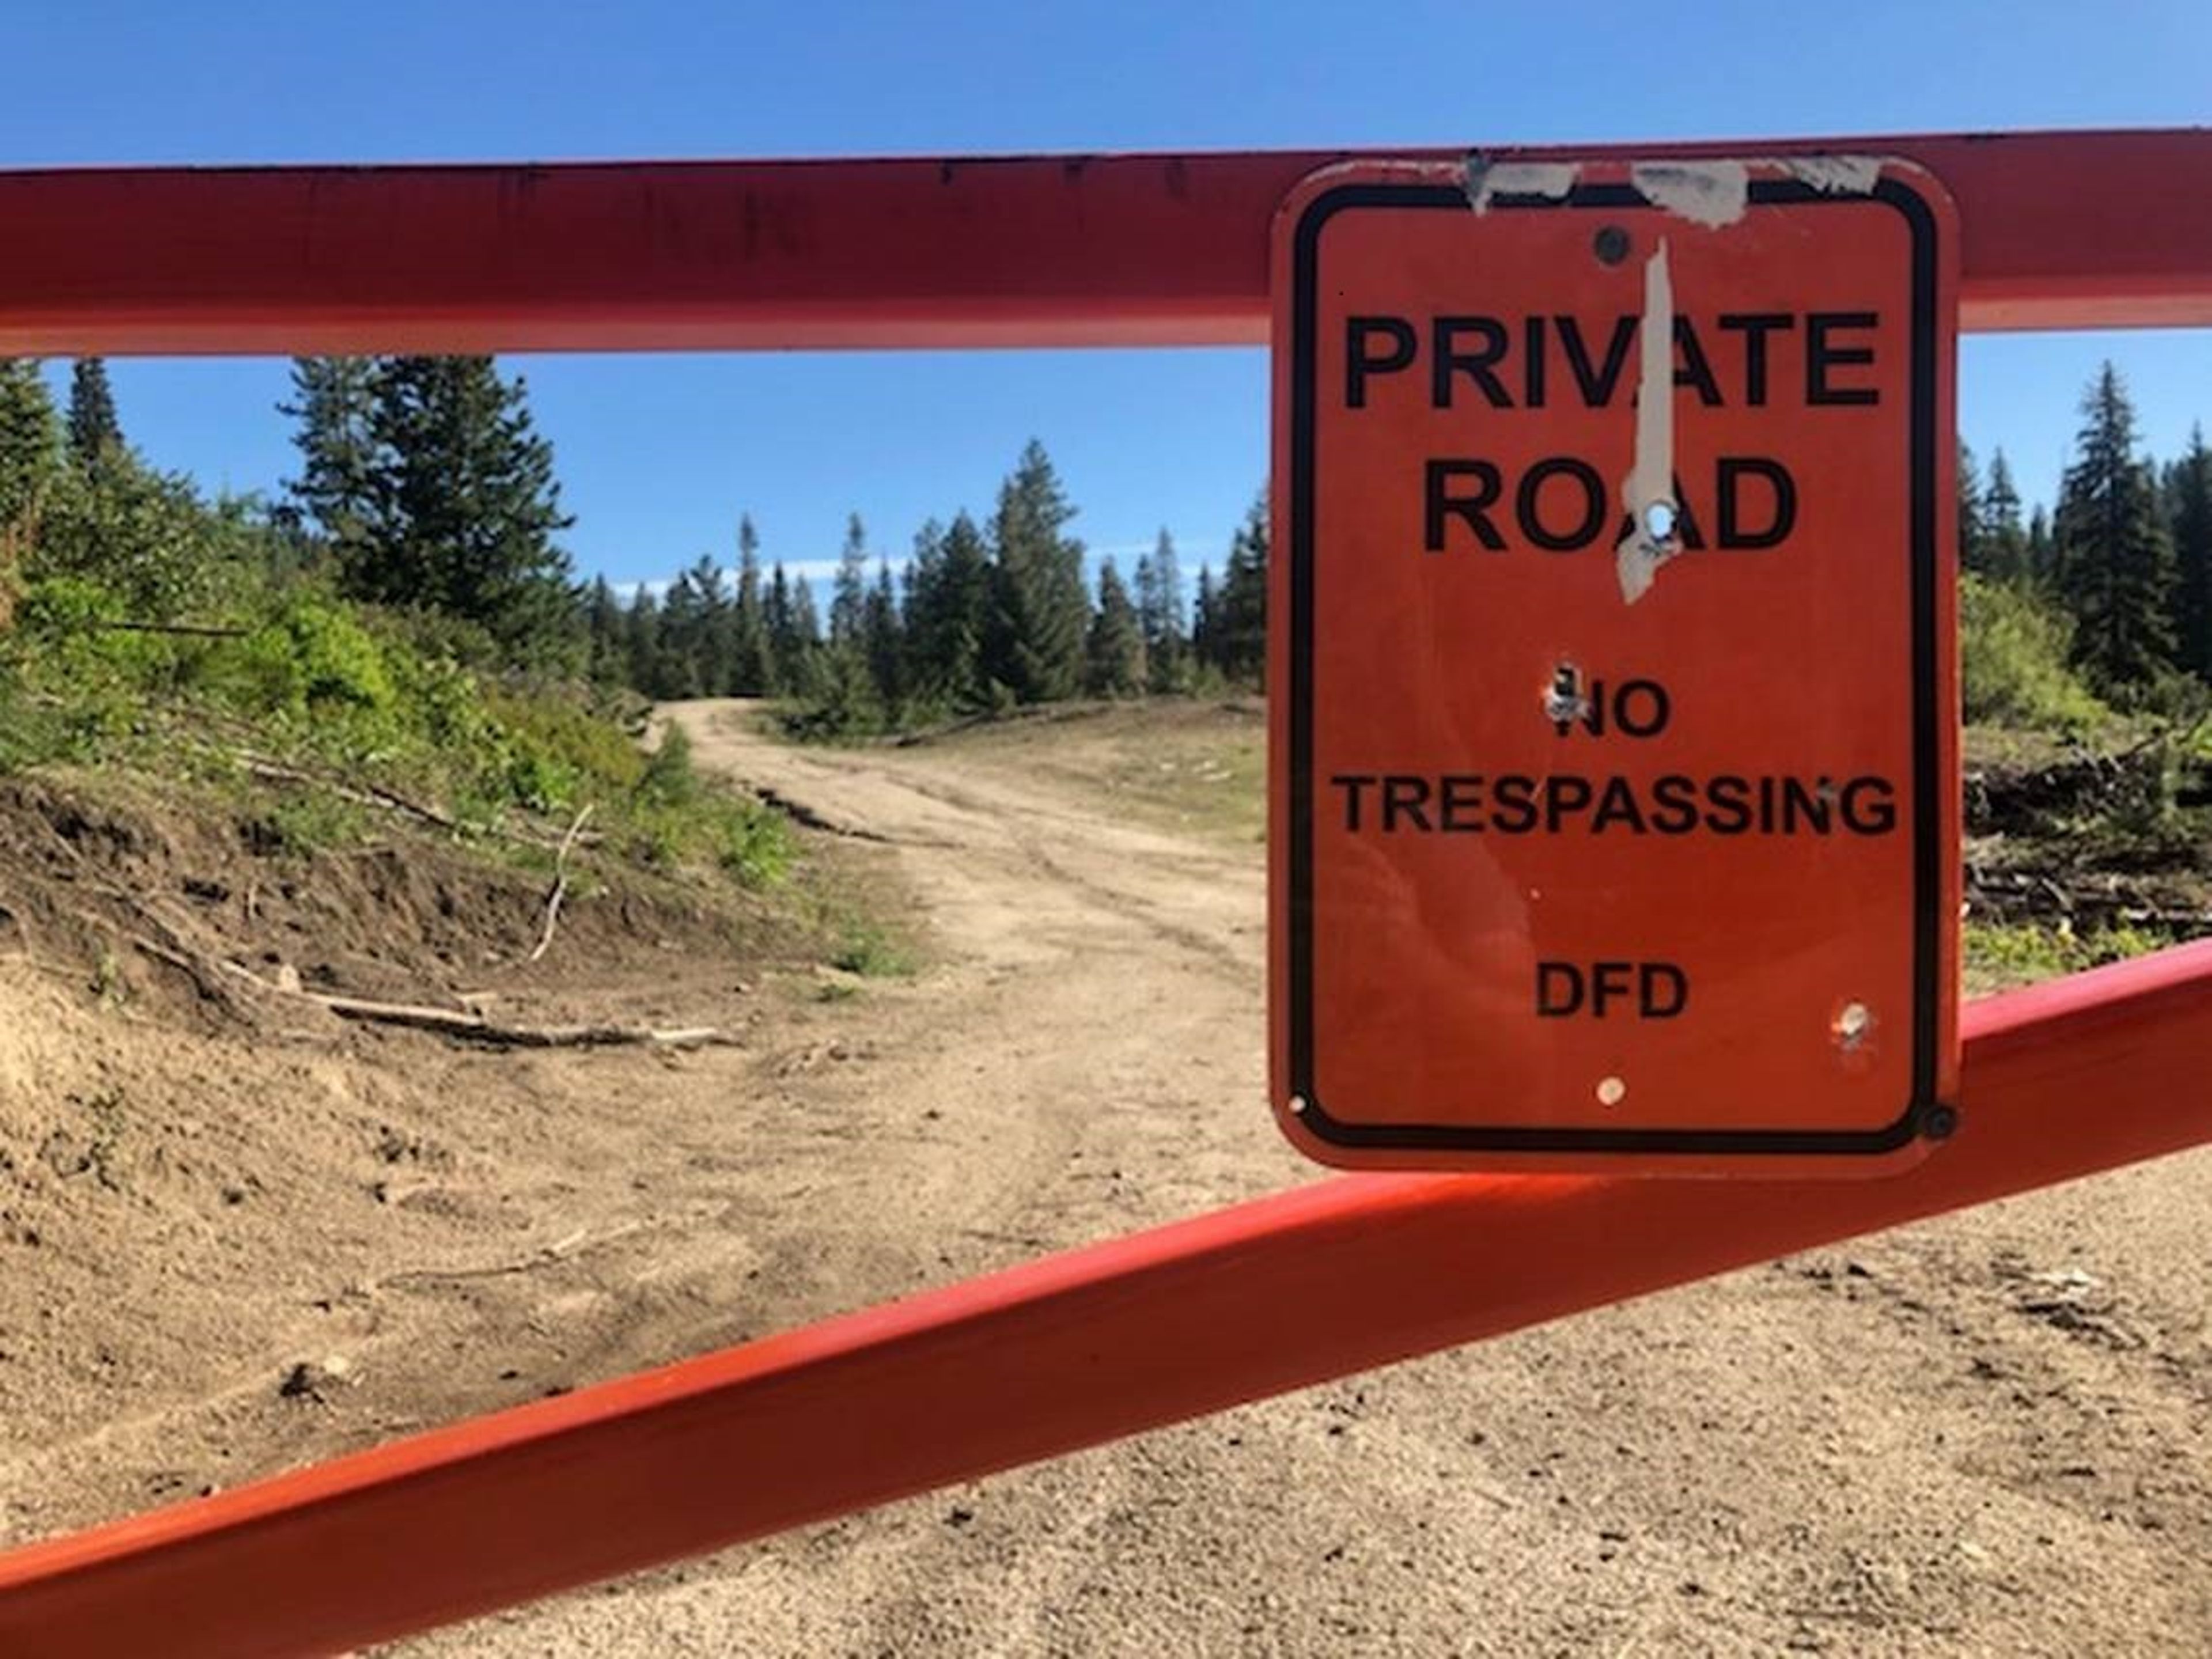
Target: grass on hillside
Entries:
(325, 719)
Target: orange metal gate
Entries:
(2106, 1069)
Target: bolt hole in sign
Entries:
(1615, 732)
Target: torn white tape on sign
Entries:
(1835, 175)
(1711, 193)
(1486, 180)
(1653, 536)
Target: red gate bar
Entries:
(2060, 1080)
(2059, 230)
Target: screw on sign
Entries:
(1615, 817)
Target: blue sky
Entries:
(660, 454)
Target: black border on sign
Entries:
(1928, 851)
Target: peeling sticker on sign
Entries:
(1648, 492)
(1487, 180)
(1704, 192)
(1835, 175)
(1709, 193)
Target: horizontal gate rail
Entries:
(2057, 230)
(2060, 1080)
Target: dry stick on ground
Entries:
(375, 794)
(269, 772)
(545, 1256)
(474, 1028)
(560, 883)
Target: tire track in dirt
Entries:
(946, 818)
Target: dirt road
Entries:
(1989, 1435)
(1992, 1435)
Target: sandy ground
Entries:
(1987, 1435)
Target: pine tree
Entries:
(806, 634)
(94, 433)
(30, 446)
(695, 624)
(30, 461)
(1241, 608)
(643, 630)
(1040, 607)
(1159, 612)
(795, 635)
(605, 627)
(2115, 564)
(783, 635)
(333, 400)
(750, 670)
(842, 683)
(2002, 533)
(948, 613)
(2042, 554)
(1205, 623)
(1973, 540)
(848, 602)
(465, 506)
(680, 633)
(2189, 506)
(926, 609)
(1117, 639)
(883, 640)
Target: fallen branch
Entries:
(2033, 894)
(189, 630)
(474, 1028)
(376, 794)
(560, 883)
(559, 1251)
(269, 771)
(398, 802)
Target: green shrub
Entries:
(312, 821)
(2002, 953)
(314, 657)
(870, 952)
(754, 848)
(566, 729)
(2016, 953)
(59, 608)
(34, 733)
(2013, 648)
(656, 838)
(448, 711)
(148, 538)
(540, 781)
(670, 779)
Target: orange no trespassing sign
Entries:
(1615, 730)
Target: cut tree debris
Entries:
(472, 1027)
(265, 770)
(560, 883)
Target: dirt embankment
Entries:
(1987, 1435)
(236, 1231)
